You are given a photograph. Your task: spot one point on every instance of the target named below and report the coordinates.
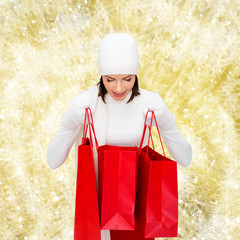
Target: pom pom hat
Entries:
(118, 54)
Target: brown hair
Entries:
(103, 91)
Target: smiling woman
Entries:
(118, 86)
(117, 123)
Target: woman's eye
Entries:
(108, 80)
(128, 79)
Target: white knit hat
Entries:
(118, 54)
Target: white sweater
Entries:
(123, 126)
(117, 123)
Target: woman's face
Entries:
(118, 86)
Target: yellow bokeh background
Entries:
(189, 54)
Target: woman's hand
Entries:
(158, 111)
(165, 119)
(74, 117)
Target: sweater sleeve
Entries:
(179, 148)
(72, 121)
(60, 147)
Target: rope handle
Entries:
(90, 126)
(153, 117)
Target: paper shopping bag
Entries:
(136, 234)
(86, 225)
(117, 172)
(157, 192)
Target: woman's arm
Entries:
(179, 148)
(72, 120)
(60, 147)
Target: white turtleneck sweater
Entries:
(117, 123)
(125, 123)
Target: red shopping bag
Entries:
(86, 225)
(136, 234)
(117, 173)
(157, 192)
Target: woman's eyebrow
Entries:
(110, 77)
(127, 76)
(115, 79)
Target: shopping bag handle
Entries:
(93, 128)
(90, 126)
(144, 130)
(150, 127)
(85, 125)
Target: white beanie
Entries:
(118, 54)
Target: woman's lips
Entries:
(119, 95)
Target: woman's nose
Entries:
(119, 87)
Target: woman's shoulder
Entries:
(93, 90)
(86, 95)
(146, 92)
(151, 98)
(86, 98)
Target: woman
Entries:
(118, 107)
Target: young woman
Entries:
(119, 107)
